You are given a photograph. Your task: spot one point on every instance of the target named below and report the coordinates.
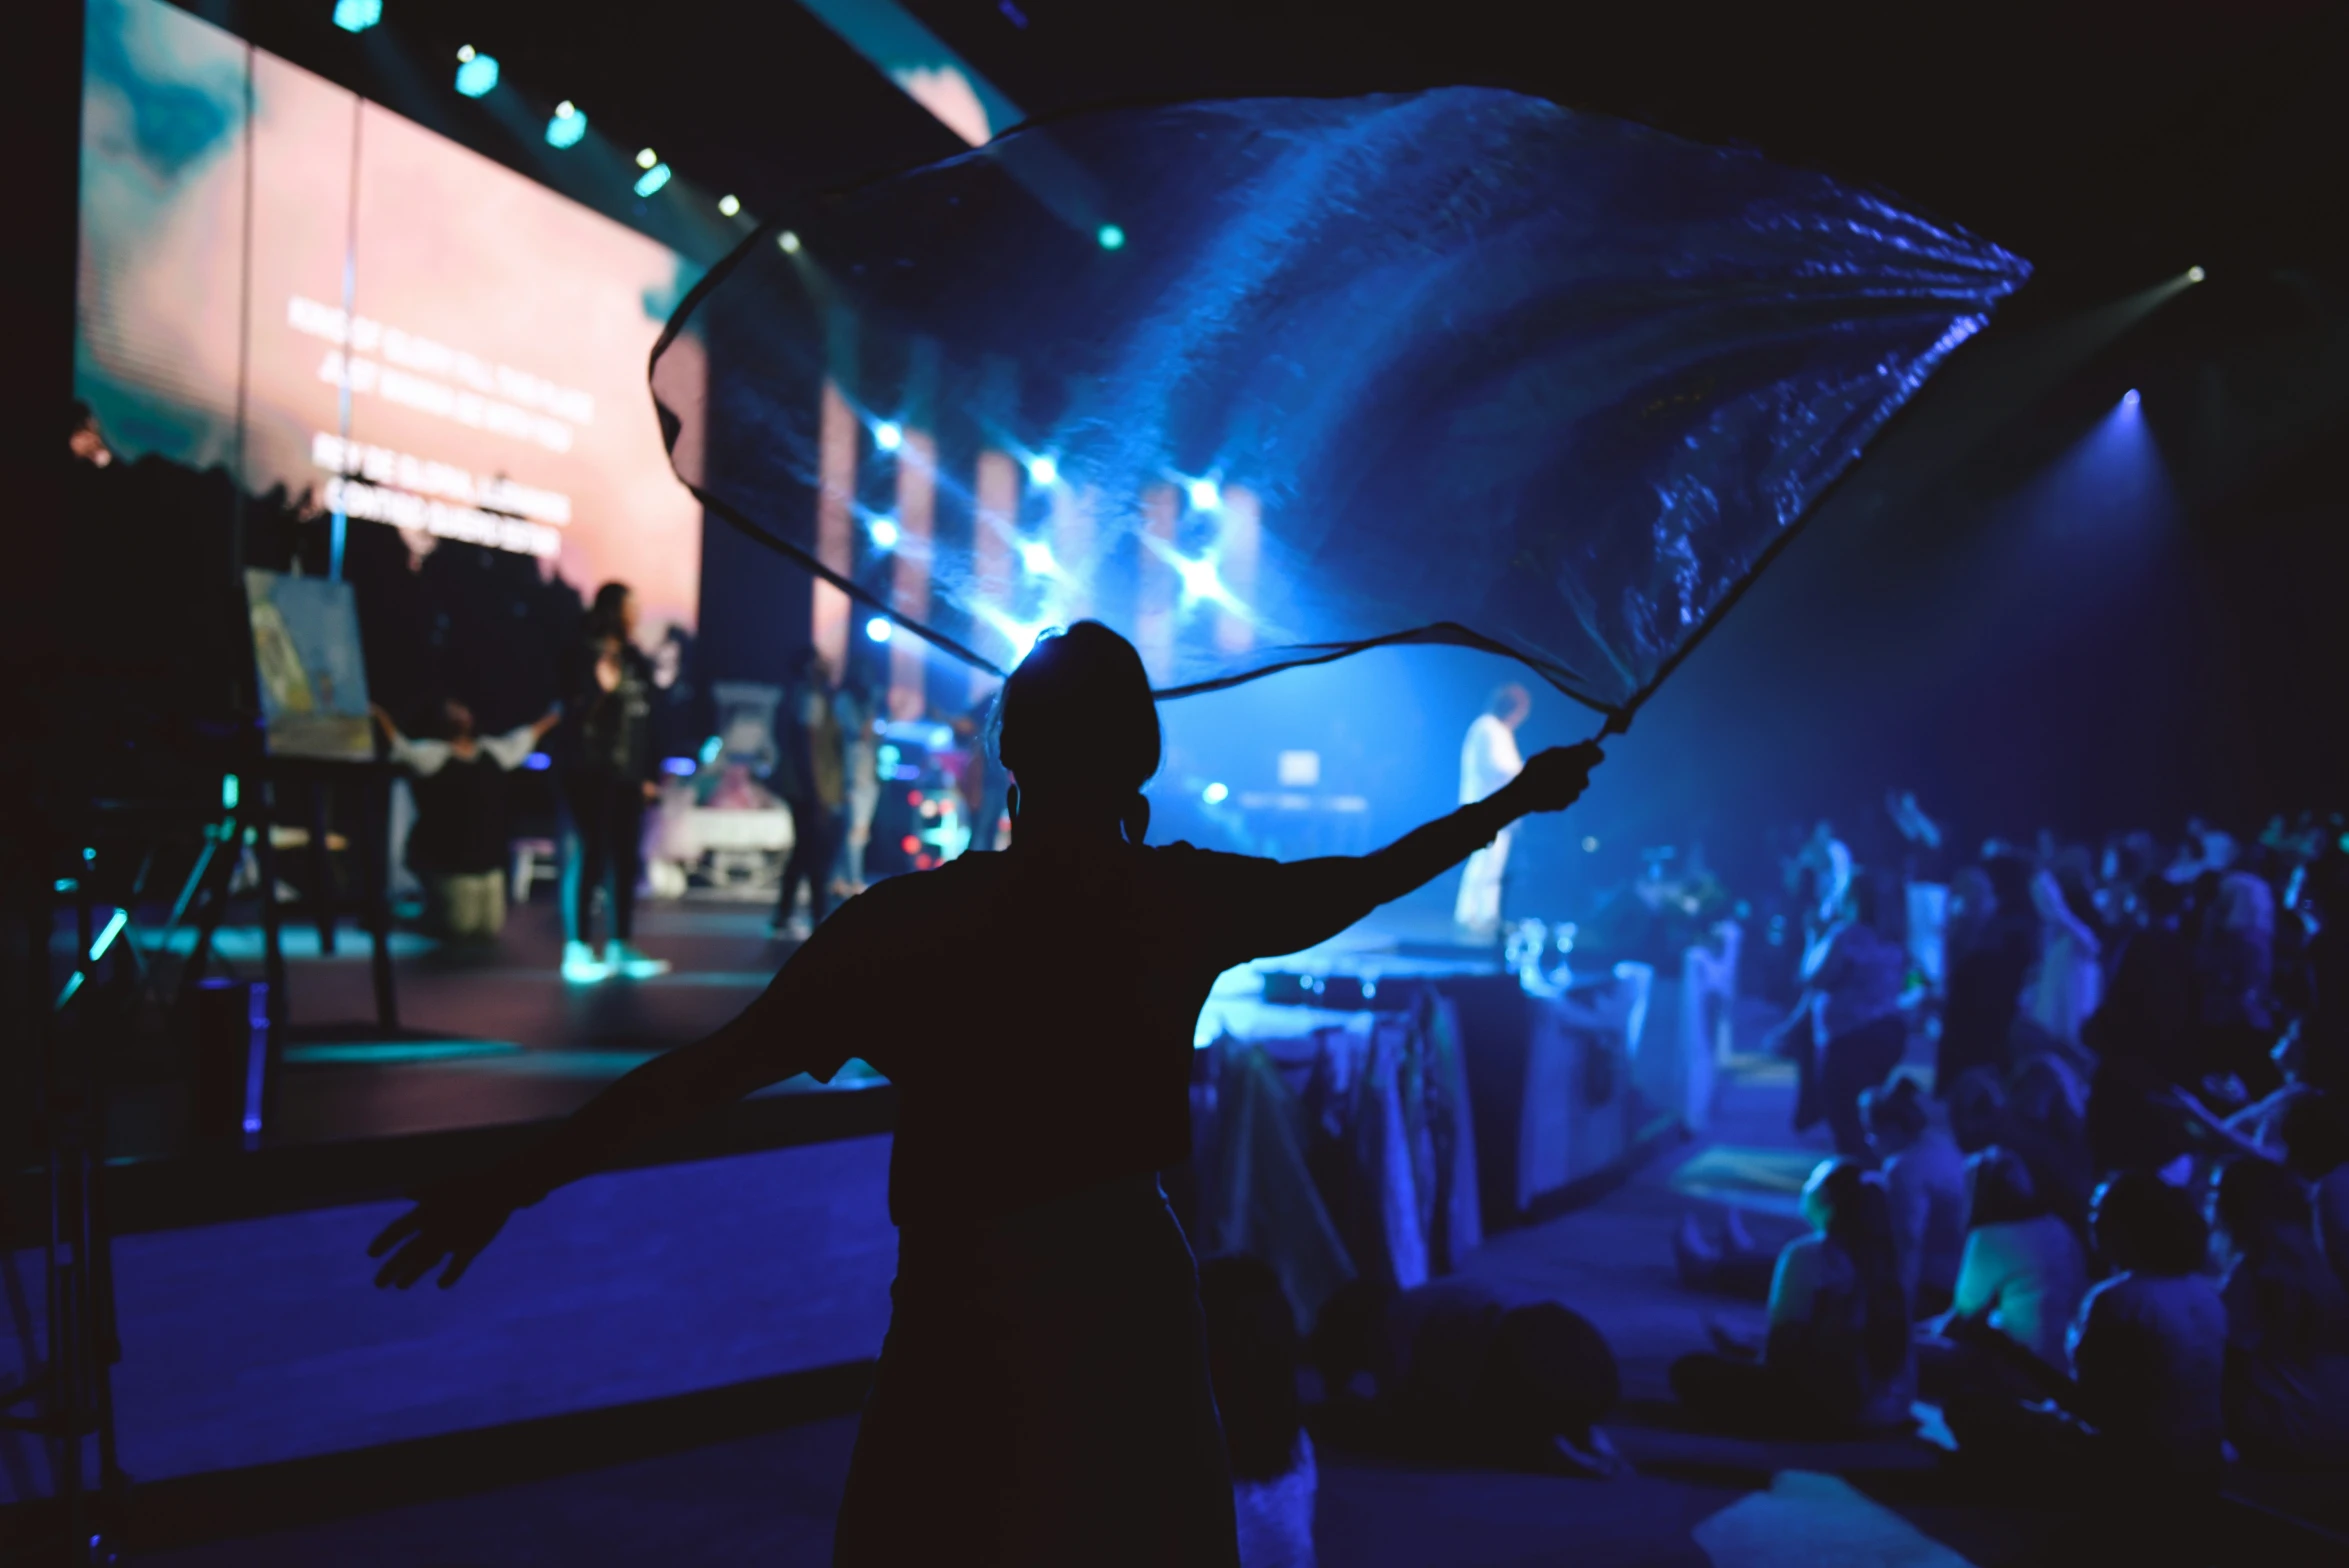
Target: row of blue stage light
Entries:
(477, 76)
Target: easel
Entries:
(275, 783)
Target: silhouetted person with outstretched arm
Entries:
(1043, 1393)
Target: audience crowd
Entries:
(2089, 1200)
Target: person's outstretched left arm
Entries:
(1294, 906)
(789, 1029)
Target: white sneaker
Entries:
(625, 961)
(580, 965)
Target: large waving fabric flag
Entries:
(1261, 382)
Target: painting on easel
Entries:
(313, 677)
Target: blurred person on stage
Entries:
(1488, 760)
(811, 774)
(1045, 1382)
(610, 774)
(459, 843)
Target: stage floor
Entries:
(484, 1040)
(499, 1038)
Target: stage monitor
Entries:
(289, 281)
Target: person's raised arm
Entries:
(1304, 902)
(789, 1029)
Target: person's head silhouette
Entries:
(1077, 730)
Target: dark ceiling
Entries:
(2109, 143)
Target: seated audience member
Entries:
(1447, 1371)
(2287, 1382)
(2316, 1149)
(1925, 1182)
(1253, 1358)
(2148, 1352)
(2140, 1420)
(459, 845)
(2018, 1288)
(1837, 1360)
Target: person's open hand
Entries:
(453, 1222)
(1555, 779)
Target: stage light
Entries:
(2129, 398)
(729, 206)
(711, 750)
(1036, 556)
(2195, 274)
(888, 436)
(682, 767)
(356, 16)
(652, 179)
(1205, 496)
(1199, 579)
(477, 73)
(884, 531)
(1042, 470)
(538, 762)
(1215, 794)
(1111, 237)
(1590, 845)
(230, 790)
(878, 628)
(646, 158)
(788, 243)
(568, 125)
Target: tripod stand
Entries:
(68, 1398)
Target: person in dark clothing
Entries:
(610, 775)
(812, 777)
(1449, 1372)
(2287, 1377)
(1863, 1028)
(459, 843)
(2143, 1037)
(1044, 1385)
(1986, 975)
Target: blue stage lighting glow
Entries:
(888, 436)
(878, 628)
(477, 73)
(1204, 495)
(538, 762)
(1200, 580)
(1036, 556)
(682, 767)
(652, 179)
(884, 532)
(1111, 237)
(711, 750)
(231, 789)
(356, 16)
(2129, 398)
(1042, 470)
(567, 126)
(1215, 794)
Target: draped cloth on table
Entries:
(1455, 366)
